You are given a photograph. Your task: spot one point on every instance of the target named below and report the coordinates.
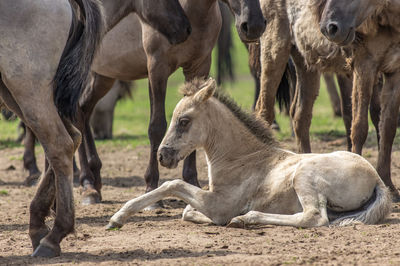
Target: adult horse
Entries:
(371, 29)
(132, 51)
(43, 70)
(46, 52)
(167, 17)
(251, 179)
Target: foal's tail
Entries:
(377, 208)
(73, 72)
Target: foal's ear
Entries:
(206, 91)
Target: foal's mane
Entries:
(258, 127)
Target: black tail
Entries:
(225, 45)
(73, 72)
(284, 95)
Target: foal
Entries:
(251, 179)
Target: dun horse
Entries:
(46, 58)
(293, 32)
(371, 29)
(46, 53)
(143, 52)
(251, 179)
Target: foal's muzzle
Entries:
(168, 157)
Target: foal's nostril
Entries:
(244, 27)
(265, 22)
(332, 29)
(160, 157)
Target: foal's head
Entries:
(189, 124)
(339, 19)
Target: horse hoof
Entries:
(45, 252)
(90, 196)
(90, 199)
(156, 206)
(236, 223)
(113, 226)
(32, 180)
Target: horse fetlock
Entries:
(37, 234)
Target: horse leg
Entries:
(274, 58)
(375, 106)
(333, 94)
(345, 86)
(208, 203)
(363, 81)
(158, 71)
(390, 108)
(307, 88)
(29, 158)
(189, 172)
(90, 162)
(314, 212)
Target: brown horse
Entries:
(371, 28)
(144, 52)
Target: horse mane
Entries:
(257, 126)
(316, 7)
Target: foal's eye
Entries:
(183, 122)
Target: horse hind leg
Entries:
(29, 158)
(314, 213)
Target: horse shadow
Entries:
(111, 255)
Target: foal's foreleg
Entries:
(205, 202)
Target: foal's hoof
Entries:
(46, 252)
(236, 223)
(90, 195)
(113, 226)
(156, 206)
(32, 180)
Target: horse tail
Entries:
(287, 86)
(375, 210)
(73, 72)
(225, 69)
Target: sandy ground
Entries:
(160, 237)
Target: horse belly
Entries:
(121, 55)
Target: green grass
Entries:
(132, 116)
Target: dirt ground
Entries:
(160, 237)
